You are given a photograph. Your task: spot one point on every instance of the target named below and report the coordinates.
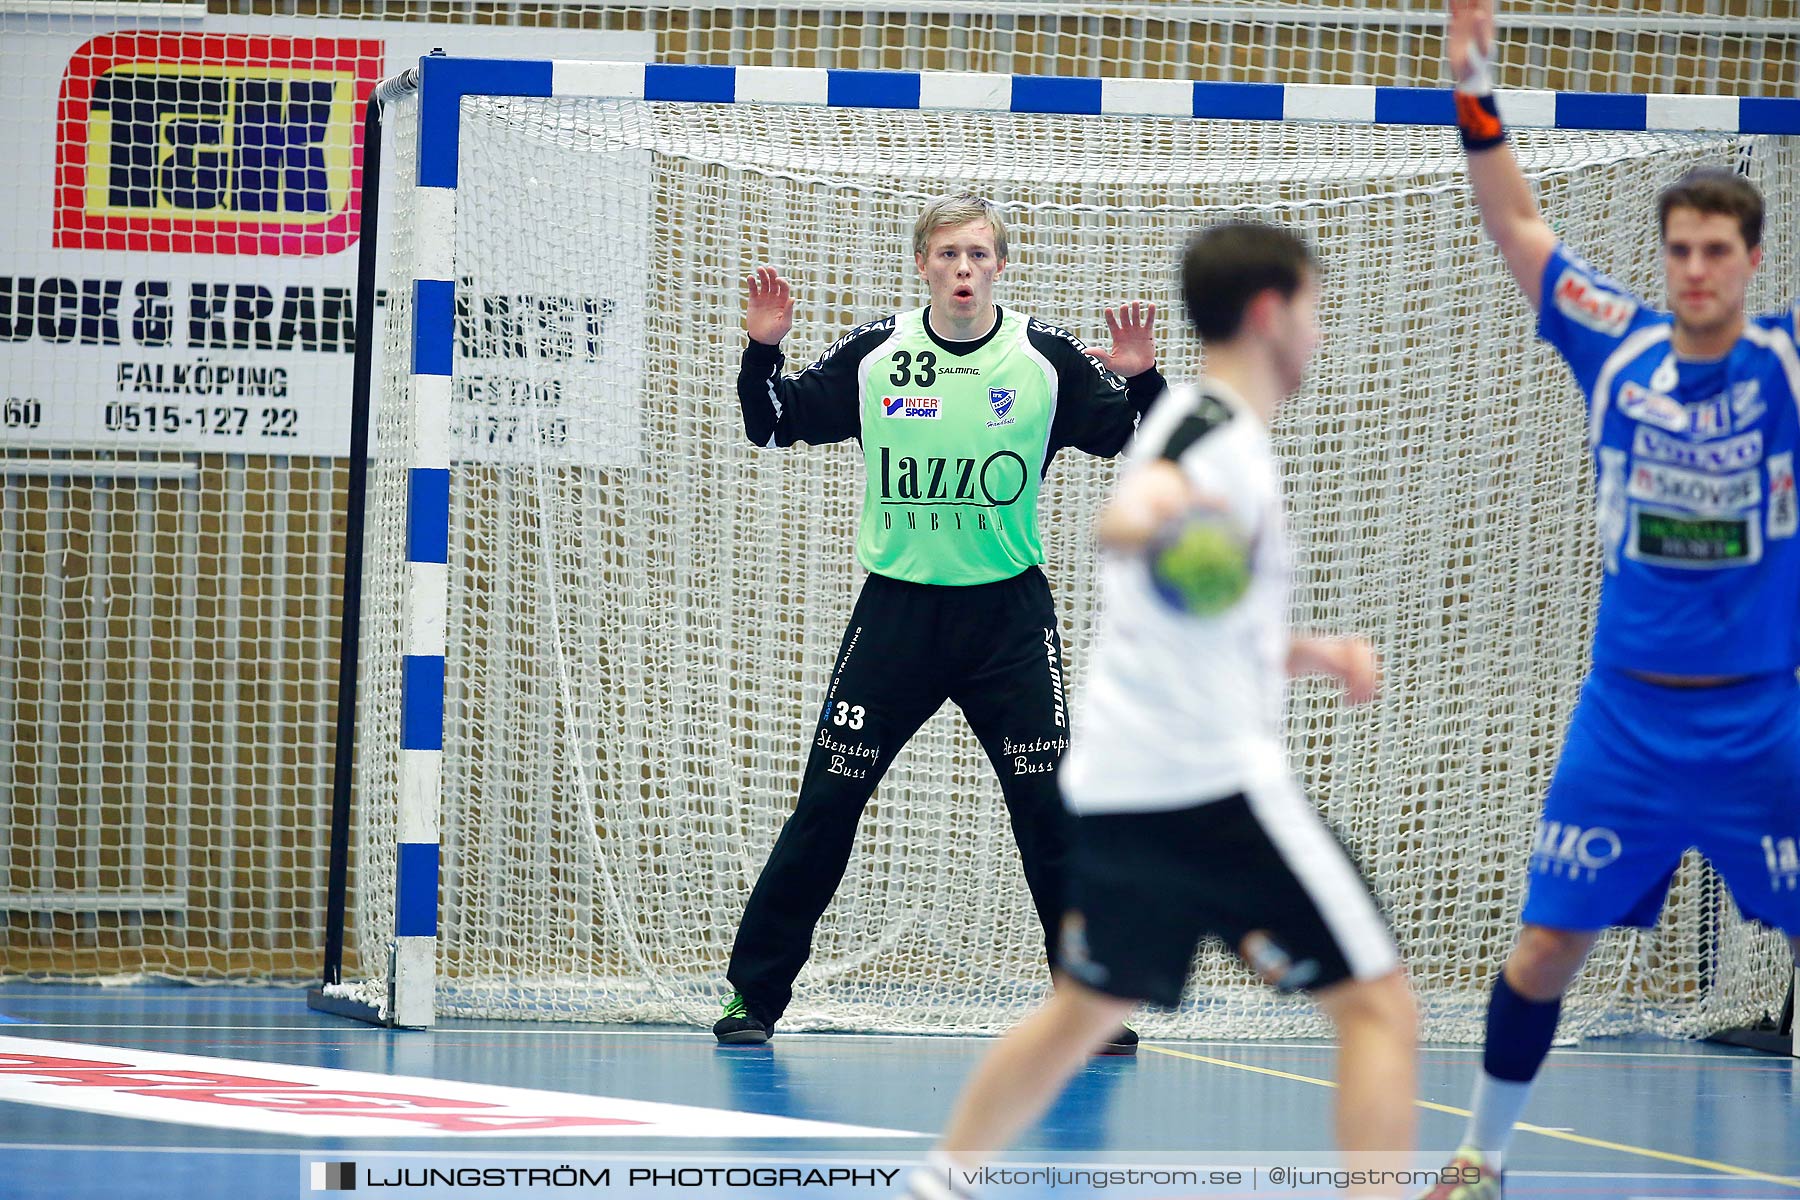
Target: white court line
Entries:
(563, 1031)
(69, 1147)
(443, 1030)
(105, 992)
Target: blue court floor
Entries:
(1615, 1118)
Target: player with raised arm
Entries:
(1687, 731)
(960, 407)
(1188, 821)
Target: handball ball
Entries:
(1199, 563)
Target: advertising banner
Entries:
(178, 265)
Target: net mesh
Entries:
(644, 609)
(168, 634)
(168, 602)
(171, 538)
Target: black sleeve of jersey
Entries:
(819, 405)
(1209, 413)
(1096, 410)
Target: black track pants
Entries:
(993, 649)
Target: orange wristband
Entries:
(1478, 118)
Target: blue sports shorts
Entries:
(1648, 771)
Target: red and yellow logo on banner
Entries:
(210, 143)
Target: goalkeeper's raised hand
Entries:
(768, 306)
(1133, 329)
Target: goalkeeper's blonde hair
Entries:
(947, 212)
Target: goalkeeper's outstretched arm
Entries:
(1509, 211)
(1100, 394)
(820, 404)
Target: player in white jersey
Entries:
(1188, 822)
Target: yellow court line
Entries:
(1707, 1164)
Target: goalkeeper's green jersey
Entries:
(956, 436)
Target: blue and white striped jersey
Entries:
(1694, 471)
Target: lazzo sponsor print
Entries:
(1579, 853)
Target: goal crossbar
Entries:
(445, 80)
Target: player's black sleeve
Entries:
(1209, 413)
(1096, 410)
(821, 404)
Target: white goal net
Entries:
(644, 606)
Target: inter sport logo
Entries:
(918, 408)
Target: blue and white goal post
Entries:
(1374, 173)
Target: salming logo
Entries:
(845, 340)
(1056, 679)
(1113, 380)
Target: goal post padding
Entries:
(598, 622)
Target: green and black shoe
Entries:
(739, 1026)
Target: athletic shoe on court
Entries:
(1471, 1178)
(1123, 1041)
(739, 1026)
